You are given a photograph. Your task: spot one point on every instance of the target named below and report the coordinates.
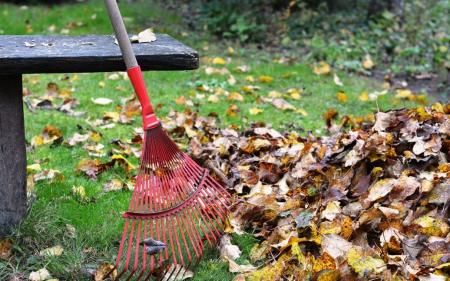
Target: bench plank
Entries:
(94, 53)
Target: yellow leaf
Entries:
(103, 270)
(127, 165)
(324, 262)
(33, 168)
(235, 96)
(265, 79)
(248, 89)
(341, 96)
(403, 94)
(368, 63)
(232, 110)
(219, 60)
(80, 193)
(347, 227)
(270, 272)
(432, 226)
(213, 99)
(301, 111)
(364, 264)
(55, 251)
(250, 78)
(364, 96)
(274, 94)
(294, 93)
(322, 68)
(111, 115)
(255, 111)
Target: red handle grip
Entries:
(149, 119)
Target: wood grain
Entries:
(94, 53)
(12, 154)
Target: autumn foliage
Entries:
(368, 203)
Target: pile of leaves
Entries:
(370, 203)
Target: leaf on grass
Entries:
(282, 104)
(55, 251)
(6, 245)
(322, 68)
(89, 167)
(50, 134)
(368, 63)
(237, 268)
(255, 111)
(336, 80)
(227, 249)
(113, 185)
(105, 271)
(219, 60)
(363, 96)
(265, 79)
(177, 273)
(79, 192)
(341, 97)
(48, 174)
(40, 275)
(102, 101)
(152, 246)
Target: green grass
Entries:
(98, 224)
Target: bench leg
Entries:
(12, 154)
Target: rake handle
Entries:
(133, 69)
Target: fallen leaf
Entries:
(322, 68)
(102, 101)
(40, 275)
(341, 96)
(265, 79)
(104, 271)
(364, 265)
(146, 36)
(336, 80)
(113, 185)
(368, 63)
(227, 249)
(219, 60)
(236, 268)
(55, 251)
(380, 189)
(255, 111)
(6, 245)
(282, 104)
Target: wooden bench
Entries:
(59, 54)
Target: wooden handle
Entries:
(121, 33)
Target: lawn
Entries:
(55, 211)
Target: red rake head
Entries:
(175, 208)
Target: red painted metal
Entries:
(175, 201)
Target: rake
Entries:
(176, 207)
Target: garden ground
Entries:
(239, 85)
